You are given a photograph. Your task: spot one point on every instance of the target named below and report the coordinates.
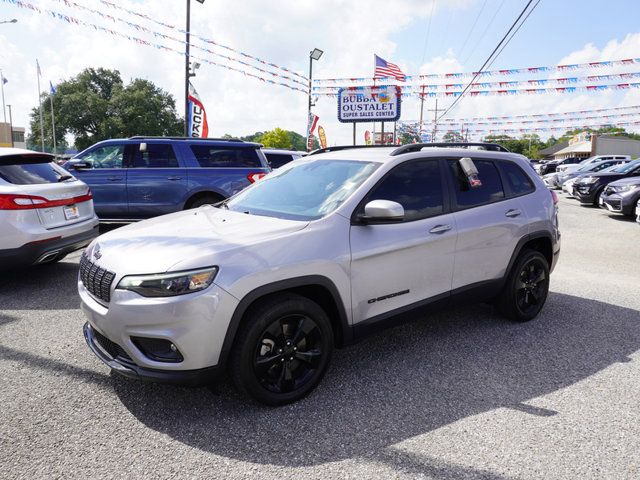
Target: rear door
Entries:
(397, 264)
(156, 182)
(106, 176)
(490, 223)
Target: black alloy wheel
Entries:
(288, 353)
(526, 288)
(282, 349)
(531, 286)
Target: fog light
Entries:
(158, 349)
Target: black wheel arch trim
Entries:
(345, 333)
(522, 242)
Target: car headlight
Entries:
(624, 188)
(169, 284)
(588, 180)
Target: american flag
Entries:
(387, 69)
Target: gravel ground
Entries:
(462, 394)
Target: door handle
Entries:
(174, 177)
(440, 229)
(514, 212)
(114, 179)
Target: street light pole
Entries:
(315, 54)
(10, 125)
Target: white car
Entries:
(45, 212)
(572, 167)
(321, 252)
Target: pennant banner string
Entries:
(460, 86)
(489, 73)
(140, 28)
(63, 17)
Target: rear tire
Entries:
(283, 350)
(527, 287)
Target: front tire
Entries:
(527, 287)
(283, 350)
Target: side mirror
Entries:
(81, 165)
(382, 211)
(143, 147)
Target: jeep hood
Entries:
(184, 240)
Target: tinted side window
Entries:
(109, 156)
(416, 185)
(229, 157)
(519, 182)
(157, 155)
(276, 160)
(490, 191)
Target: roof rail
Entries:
(416, 147)
(142, 137)
(337, 148)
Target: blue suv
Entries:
(142, 177)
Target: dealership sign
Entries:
(369, 104)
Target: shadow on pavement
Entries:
(400, 384)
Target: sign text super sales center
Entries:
(380, 104)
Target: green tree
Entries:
(276, 138)
(452, 136)
(96, 105)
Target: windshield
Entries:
(630, 166)
(304, 190)
(587, 161)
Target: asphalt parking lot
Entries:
(462, 394)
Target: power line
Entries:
(490, 57)
(426, 39)
(486, 29)
(464, 44)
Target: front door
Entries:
(398, 264)
(106, 176)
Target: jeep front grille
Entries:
(95, 279)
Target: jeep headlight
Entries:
(169, 284)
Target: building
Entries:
(549, 152)
(585, 145)
(12, 137)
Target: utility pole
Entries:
(421, 112)
(186, 70)
(39, 73)
(435, 120)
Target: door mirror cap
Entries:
(79, 165)
(382, 211)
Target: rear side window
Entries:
(226, 157)
(32, 173)
(518, 181)
(157, 155)
(490, 191)
(416, 185)
(276, 160)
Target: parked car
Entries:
(588, 189)
(278, 158)
(555, 180)
(143, 177)
(45, 213)
(621, 196)
(317, 254)
(572, 167)
(550, 167)
(567, 186)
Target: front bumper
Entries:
(616, 203)
(195, 323)
(39, 252)
(585, 194)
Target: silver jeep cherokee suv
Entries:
(317, 254)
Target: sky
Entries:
(421, 36)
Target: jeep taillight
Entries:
(254, 177)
